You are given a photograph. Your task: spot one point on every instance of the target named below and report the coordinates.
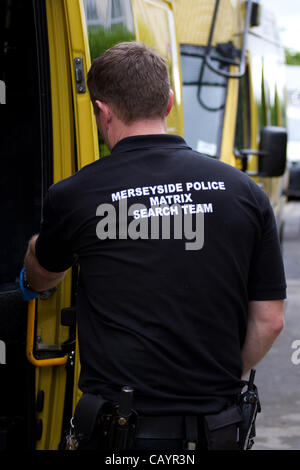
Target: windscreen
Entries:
(204, 94)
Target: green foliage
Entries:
(101, 39)
(292, 58)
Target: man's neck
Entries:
(144, 127)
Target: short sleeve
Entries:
(53, 249)
(267, 277)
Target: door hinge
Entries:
(79, 75)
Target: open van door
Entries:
(26, 172)
(47, 134)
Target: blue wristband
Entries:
(27, 294)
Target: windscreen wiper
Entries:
(230, 61)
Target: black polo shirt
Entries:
(167, 318)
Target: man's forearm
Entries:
(39, 278)
(265, 322)
(257, 343)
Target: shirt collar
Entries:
(148, 141)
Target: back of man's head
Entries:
(133, 80)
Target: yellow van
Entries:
(227, 72)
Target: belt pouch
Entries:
(222, 429)
(87, 415)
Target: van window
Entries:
(108, 22)
(25, 144)
(204, 94)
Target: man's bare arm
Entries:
(38, 277)
(265, 323)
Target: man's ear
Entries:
(170, 102)
(106, 111)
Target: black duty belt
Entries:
(117, 426)
(169, 427)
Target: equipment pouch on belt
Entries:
(87, 418)
(98, 423)
(234, 428)
(222, 429)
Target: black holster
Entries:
(234, 428)
(221, 429)
(87, 420)
(98, 424)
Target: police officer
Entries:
(181, 278)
